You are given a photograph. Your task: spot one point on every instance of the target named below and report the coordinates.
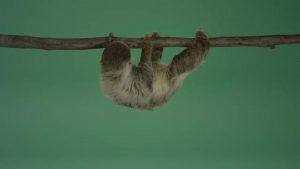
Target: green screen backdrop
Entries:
(239, 110)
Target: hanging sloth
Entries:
(150, 83)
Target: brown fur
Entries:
(150, 83)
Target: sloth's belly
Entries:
(136, 95)
(161, 88)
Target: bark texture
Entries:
(17, 41)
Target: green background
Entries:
(241, 109)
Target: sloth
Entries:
(150, 83)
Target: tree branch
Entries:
(16, 41)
